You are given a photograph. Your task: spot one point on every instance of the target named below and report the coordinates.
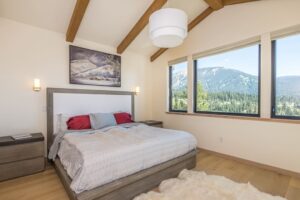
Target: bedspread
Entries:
(92, 160)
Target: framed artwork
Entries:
(89, 67)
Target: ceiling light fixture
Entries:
(168, 27)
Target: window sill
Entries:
(289, 121)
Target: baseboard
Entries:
(256, 164)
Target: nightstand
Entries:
(21, 157)
(152, 123)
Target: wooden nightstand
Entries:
(152, 123)
(21, 157)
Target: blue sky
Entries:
(244, 59)
(180, 67)
(288, 56)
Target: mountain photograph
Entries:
(90, 67)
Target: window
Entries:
(228, 82)
(286, 77)
(178, 87)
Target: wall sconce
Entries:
(137, 90)
(36, 85)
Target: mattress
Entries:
(92, 160)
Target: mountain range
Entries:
(288, 86)
(85, 69)
(220, 79)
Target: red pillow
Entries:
(122, 118)
(79, 122)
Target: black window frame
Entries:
(170, 92)
(273, 93)
(228, 113)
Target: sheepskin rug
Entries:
(194, 185)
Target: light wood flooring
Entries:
(47, 186)
(264, 180)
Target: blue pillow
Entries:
(102, 120)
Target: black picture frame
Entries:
(91, 67)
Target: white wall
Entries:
(275, 144)
(27, 52)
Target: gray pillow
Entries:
(102, 120)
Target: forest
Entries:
(288, 106)
(229, 102)
(179, 99)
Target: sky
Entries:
(246, 59)
(288, 56)
(180, 67)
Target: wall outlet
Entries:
(221, 139)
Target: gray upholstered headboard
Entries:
(81, 101)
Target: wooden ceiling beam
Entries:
(200, 18)
(76, 19)
(158, 53)
(231, 2)
(140, 25)
(191, 25)
(215, 4)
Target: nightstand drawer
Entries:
(19, 152)
(21, 168)
(157, 125)
(152, 123)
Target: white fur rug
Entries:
(194, 185)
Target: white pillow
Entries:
(61, 122)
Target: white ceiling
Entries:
(105, 21)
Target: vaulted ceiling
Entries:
(104, 21)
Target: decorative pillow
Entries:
(102, 120)
(123, 118)
(79, 122)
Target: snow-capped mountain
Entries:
(79, 66)
(85, 69)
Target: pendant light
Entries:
(168, 27)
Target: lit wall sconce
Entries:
(36, 85)
(137, 90)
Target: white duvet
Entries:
(92, 160)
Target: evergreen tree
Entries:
(201, 98)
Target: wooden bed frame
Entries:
(125, 188)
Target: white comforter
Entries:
(96, 159)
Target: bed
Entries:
(145, 175)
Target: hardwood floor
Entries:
(47, 186)
(41, 186)
(264, 180)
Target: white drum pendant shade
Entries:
(168, 27)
